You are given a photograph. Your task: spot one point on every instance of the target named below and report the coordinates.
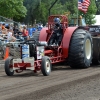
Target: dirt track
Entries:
(63, 83)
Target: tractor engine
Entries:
(29, 48)
(25, 53)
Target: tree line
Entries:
(37, 11)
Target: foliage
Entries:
(98, 7)
(38, 10)
(12, 8)
(89, 16)
(31, 6)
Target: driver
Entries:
(57, 34)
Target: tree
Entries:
(12, 8)
(98, 7)
(38, 10)
(58, 9)
(71, 6)
(40, 13)
(31, 6)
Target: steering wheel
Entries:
(31, 41)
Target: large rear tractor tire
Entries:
(46, 66)
(80, 49)
(8, 67)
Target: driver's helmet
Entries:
(57, 20)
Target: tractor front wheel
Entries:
(9, 67)
(46, 66)
(80, 50)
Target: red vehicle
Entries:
(75, 48)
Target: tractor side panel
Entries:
(66, 40)
(43, 34)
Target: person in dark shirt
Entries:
(57, 33)
(16, 31)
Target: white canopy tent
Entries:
(97, 18)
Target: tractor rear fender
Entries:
(43, 34)
(66, 40)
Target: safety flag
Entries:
(83, 5)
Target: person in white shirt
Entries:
(10, 36)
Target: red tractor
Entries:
(36, 54)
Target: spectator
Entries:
(11, 26)
(46, 25)
(4, 29)
(16, 31)
(25, 33)
(33, 29)
(40, 26)
(21, 29)
(30, 31)
(3, 26)
(10, 36)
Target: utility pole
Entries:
(52, 6)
